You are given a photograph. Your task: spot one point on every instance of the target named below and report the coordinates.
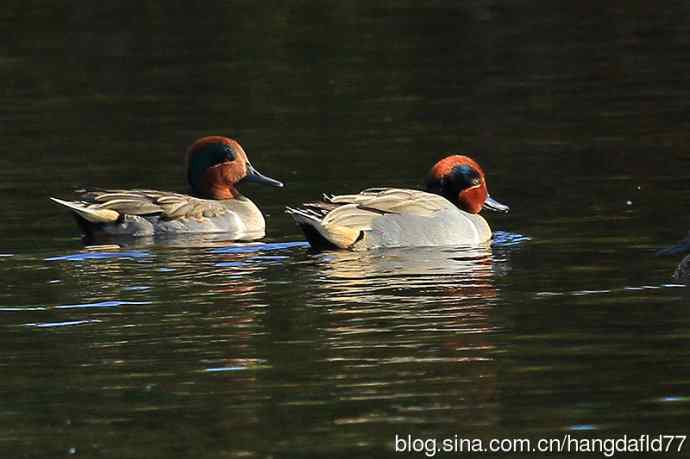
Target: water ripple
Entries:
(260, 247)
(102, 304)
(507, 239)
(607, 291)
(83, 256)
(60, 324)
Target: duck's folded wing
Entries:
(104, 206)
(377, 201)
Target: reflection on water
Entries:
(96, 255)
(166, 327)
(173, 240)
(390, 299)
(418, 278)
(385, 341)
(605, 291)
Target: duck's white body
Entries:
(448, 227)
(389, 217)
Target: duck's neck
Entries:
(215, 183)
(226, 192)
(218, 192)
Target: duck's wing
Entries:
(390, 201)
(105, 206)
(342, 219)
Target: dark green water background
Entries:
(579, 112)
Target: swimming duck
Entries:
(682, 273)
(445, 214)
(215, 166)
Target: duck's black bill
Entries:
(255, 176)
(494, 205)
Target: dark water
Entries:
(579, 113)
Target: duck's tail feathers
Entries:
(320, 236)
(93, 215)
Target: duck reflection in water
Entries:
(190, 241)
(447, 285)
(416, 316)
(178, 271)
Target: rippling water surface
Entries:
(199, 347)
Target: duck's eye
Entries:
(228, 153)
(476, 181)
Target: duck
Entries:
(215, 165)
(445, 213)
(682, 272)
